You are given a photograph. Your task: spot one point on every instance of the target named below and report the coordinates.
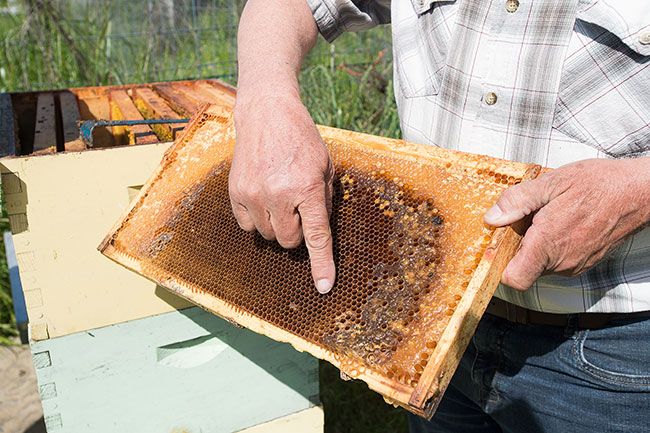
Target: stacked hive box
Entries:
(112, 351)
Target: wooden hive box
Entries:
(105, 341)
(416, 264)
(60, 201)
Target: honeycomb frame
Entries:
(436, 368)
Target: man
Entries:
(563, 83)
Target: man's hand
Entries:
(281, 176)
(281, 179)
(581, 212)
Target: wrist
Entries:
(255, 82)
(268, 109)
(639, 191)
(252, 93)
(645, 186)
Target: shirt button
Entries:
(491, 98)
(512, 5)
(644, 37)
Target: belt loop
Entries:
(511, 312)
(525, 316)
(516, 314)
(572, 325)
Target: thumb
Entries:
(318, 238)
(518, 201)
(529, 263)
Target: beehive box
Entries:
(105, 341)
(60, 202)
(183, 371)
(416, 265)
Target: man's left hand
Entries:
(581, 211)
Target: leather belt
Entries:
(514, 313)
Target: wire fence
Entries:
(63, 43)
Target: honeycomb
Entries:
(408, 235)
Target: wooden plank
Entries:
(45, 130)
(178, 100)
(222, 85)
(95, 106)
(183, 371)
(67, 272)
(190, 89)
(120, 133)
(7, 126)
(69, 120)
(123, 108)
(153, 106)
(218, 96)
(194, 94)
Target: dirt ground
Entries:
(20, 407)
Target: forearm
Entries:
(273, 39)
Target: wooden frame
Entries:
(422, 399)
(45, 125)
(47, 134)
(122, 107)
(443, 362)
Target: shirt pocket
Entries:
(604, 93)
(420, 43)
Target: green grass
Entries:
(361, 100)
(346, 85)
(64, 44)
(351, 407)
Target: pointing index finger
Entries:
(318, 238)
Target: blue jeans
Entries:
(541, 379)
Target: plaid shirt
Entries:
(549, 82)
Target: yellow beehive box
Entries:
(62, 196)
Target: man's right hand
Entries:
(281, 178)
(281, 175)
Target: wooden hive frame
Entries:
(442, 363)
(47, 122)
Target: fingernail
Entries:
(492, 215)
(323, 286)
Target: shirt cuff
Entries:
(327, 22)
